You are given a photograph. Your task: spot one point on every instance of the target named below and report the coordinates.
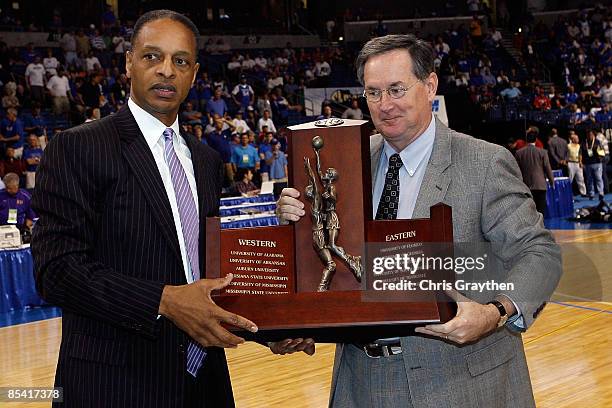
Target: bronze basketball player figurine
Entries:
(323, 213)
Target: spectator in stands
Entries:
(34, 123)
(219, 139)
(476, 78)
(277, 160)
(190, 115)
(604, 114)
(217, 104)
(243, 94)
(252, 139)
(353, 112)
(233, 67)
(326, 113)
(12, 133)
(69, 47)
(266, 120)
(605, 160)
(92, 63)
(587, 77)
(35, 80)
(32, 156)
(571, 96)
(605, 94)
(290, 90)
(198, 132)
(275, 79)
(205, 90)
(473, 6)
(541, 100)
(281, 107)
(15, 204)
(535, 169)
(261, 63)
(557, 101)
(240, 124)
(251, 119)
(574, 162)
(264, 103)
(10, 164)
(592, 155)
(245, 156)
(98, 45)
(108, 18)
(59, 90)
(10, 100)
(557, 151)
(91, 91)
(119, 46)
(245, 185)
(50, 62)
(120, 91)
(264, 148)
(82, 43)
(476, 30)
(488, 78)
(248, 63)
(219, 82)
(92, 114)
(322, 71)
(211, 120)
(29, 54)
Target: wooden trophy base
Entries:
(332, 317)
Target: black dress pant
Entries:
(539, 196)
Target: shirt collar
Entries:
(414, 154)
(151, 127)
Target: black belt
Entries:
(374, 350)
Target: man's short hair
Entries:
(532, 134)
(155, 15)
(421, 53)
(11, 179)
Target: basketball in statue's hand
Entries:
(317, 142)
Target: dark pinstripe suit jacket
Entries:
(104, 247)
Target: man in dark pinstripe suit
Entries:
(122, 203)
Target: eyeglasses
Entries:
(395, 92)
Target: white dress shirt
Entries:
(153, 130)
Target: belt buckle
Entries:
(365, 349)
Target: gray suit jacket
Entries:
(490, 203)
(534, 166)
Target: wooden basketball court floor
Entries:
(569, 348)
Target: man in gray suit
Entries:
(557, 151)
(477, 358)
(535, 168)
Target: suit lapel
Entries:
(138, 155)
(436, 179)
(197, 158)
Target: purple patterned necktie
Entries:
(190, 224)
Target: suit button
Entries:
(181, 348)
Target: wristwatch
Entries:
(503, 315)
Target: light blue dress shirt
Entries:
(415, 158)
